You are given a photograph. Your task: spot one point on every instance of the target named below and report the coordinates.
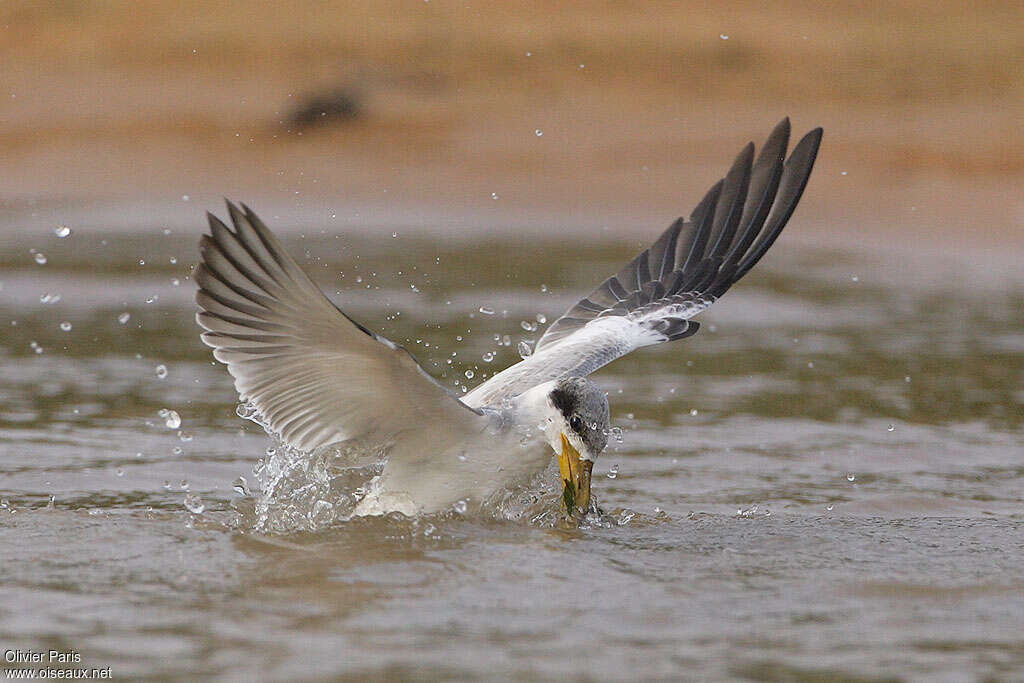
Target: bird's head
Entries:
(578, 433)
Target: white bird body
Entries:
(513, 445)
(316, 378)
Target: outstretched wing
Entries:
(314, 375)
(688, 267)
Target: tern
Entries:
(317, 378)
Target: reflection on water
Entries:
(825, 482)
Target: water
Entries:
(824, 483)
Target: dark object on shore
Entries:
(342, 104)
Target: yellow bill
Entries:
(576, 478)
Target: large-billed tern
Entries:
(317, 378)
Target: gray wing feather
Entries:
(683, 272)
(315, 376)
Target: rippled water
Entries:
(824, 483)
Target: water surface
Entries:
(824, 483)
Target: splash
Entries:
(301, 491)
(307, 491)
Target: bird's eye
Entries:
(576, 423)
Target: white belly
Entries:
(424, 483)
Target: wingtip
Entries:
(747, 153)
(782, 128)
(233, 210)
(815, 135)
(808, 146)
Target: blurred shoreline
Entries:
(583, 118)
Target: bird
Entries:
(316, 378)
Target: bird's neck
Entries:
(535, 414)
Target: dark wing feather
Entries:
(728, 232)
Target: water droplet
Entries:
(494, 195)
(891, 428)
(906, 379)
(486, 310)
(541, 318)
(322, 513)
(613, 472)
(829, 507)
(528, 326)
(461, 507)
(538, 132)
(185, 197)
(394, 235)
(469, 374)
(173, 260)
(175, 282)
(488, 357)
(723, 36)
(851, 476)
(185, 437)
(184, 485)
(124, 318)
(66, 326)
(119, 472)
(171, 418)
(161, 371)
(748, 512)
(62, 231)
(194, 504)
(693, 412)
(543, 289)
(49, 298)
(241, 486)
(40, 258)
(525, 350)
(810, 364)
